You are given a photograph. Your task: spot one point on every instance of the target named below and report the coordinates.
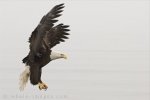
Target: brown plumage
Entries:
(43, 38)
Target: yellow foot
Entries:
(42, 86)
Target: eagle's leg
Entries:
(42, 85)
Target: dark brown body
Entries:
(44, 37)
(36, 66)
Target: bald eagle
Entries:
(44, 37)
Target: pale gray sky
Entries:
(108, 50)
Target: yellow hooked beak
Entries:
(64, 56)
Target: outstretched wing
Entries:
(45, 25)
(56, 35)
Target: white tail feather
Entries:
(24, 78)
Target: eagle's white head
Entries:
(55, 55)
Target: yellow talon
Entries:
(42, 86)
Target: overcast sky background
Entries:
(108, 50)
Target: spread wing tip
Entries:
(61, 4)
(56, 11)
(64, 29)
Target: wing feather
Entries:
(56, 35)
(46, 24)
